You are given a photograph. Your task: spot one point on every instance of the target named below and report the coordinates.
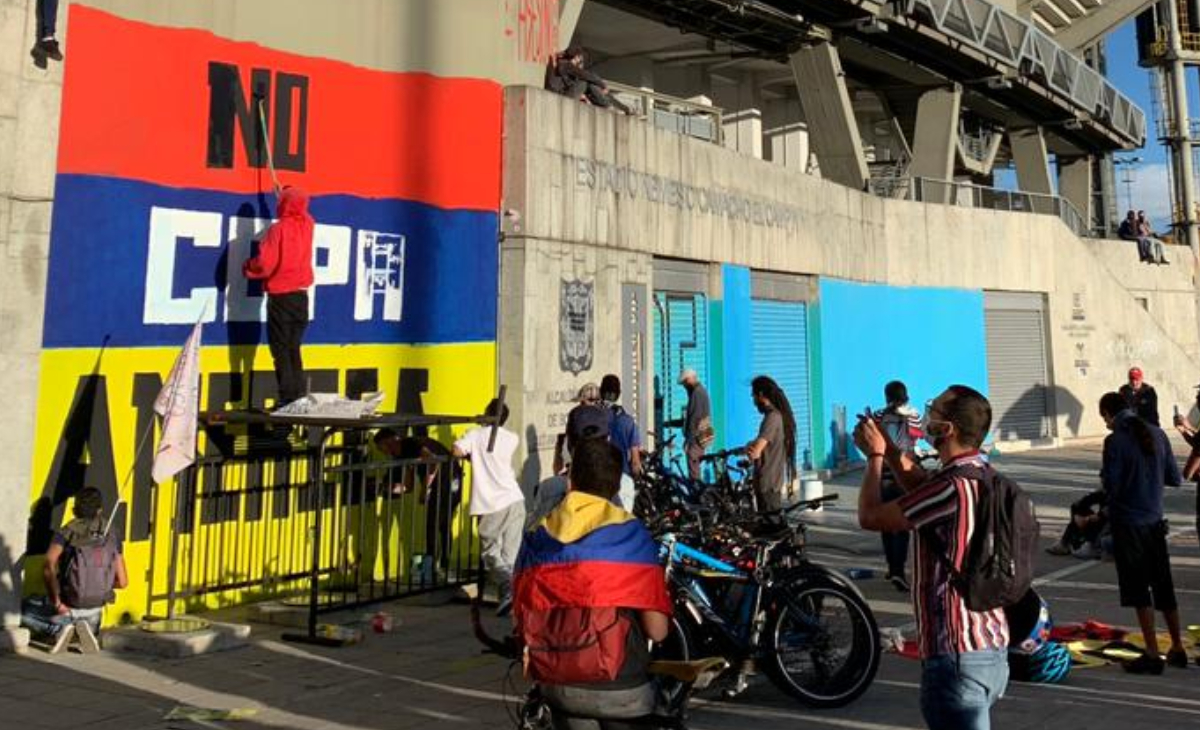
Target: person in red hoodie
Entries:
(284, 264)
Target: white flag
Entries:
(178, 404)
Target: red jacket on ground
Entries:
(284, 258)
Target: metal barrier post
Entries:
(173, 565)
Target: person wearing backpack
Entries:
(1138, 463)
(588, 592)
(83, 568)
(963, 651)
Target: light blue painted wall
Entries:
(870, 334)
(739, 419)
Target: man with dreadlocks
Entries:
(774, 449)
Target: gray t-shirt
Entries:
(772, 465)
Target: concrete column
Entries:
(831, 124)
(744, 132)
(935, 140)
(1075, 183)
(29, 110)
(1033, 164)
(568, 19)
(1181, 140)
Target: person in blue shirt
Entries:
(623, 431)
(1138, 462)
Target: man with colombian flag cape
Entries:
(589, 553)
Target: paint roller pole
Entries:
(499, 414)
(266, 137)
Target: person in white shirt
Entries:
(496, 499)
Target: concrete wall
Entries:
(604, 181)
(540, 390)
(29, 100)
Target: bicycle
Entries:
(759, 602)
(677, 682)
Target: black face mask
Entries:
(762, 406)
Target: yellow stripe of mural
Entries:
(93, 405)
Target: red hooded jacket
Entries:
(284, 258)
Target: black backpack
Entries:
(998, 568)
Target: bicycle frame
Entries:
(744, 634)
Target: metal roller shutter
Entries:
(1018, 378)
(681, 341)
(780, 350)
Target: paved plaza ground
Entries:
(430, 672)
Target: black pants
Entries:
(287, 318)
(895, 544)
(47, 16)
(1143, 566)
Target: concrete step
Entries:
(217, 637)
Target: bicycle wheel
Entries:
(675, 648)
(824, 643)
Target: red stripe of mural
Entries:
(136, 105)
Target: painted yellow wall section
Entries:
(459, 382)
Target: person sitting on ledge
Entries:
(567, 75)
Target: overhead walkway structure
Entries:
(1077, 24)
(969, 85)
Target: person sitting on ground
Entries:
(496, 499)
(589, 592)
(1129, 231)
(83, 569)
(1082, 537)
(1137, 464)
(903, 425)
(1155, 246)
(568, 76)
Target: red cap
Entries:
(1135, 373)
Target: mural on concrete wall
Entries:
(162, 191)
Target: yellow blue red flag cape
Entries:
(589, 553)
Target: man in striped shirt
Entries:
(963, 652)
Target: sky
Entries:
(1149, 186)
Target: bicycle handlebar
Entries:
(811, 504)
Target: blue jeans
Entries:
(39, 616)
(958, 690)
(47, 15)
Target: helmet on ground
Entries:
(1049, 665)
(1029, 624)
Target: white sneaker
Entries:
(62, 639)
(88, 643)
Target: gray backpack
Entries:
(90, 559)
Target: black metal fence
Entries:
(326, 526)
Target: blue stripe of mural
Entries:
(134, 264)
